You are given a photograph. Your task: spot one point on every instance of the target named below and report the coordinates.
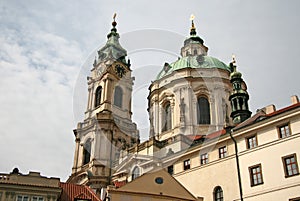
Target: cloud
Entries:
(38, 70)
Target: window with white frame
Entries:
(22, 198)
(290, 165)
(187, 164)
(37, 198)
(204, 158)
(256, 177)
(222, 152)
(218, 194)
(251, 142)
(284, 131)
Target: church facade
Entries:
(201, 129)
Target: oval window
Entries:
(159, 180)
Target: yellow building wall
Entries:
(269, 154)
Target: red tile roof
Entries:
(251, 120)
(284, 109)
(195, 137)
(72, 191)
(208, 136)
(257, 117)
(119, 184)
(216, 134)
(262, 114)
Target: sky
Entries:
(47, 48)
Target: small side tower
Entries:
(239, 96)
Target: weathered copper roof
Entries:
(193, 62)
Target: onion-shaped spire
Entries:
(239, 97)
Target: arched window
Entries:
(167, 117)
(135, 173)
(98, 96)
(203, 111)
(118, 97)
(87, 147)
(218, 194)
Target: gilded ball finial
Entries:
(192, 17)
(233, 59)
(114, 23)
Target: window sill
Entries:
(288, 176)
(253, 185)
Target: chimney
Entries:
(294, 99)
(269, 109)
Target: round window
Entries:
(159, 180)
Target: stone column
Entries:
(97, 143)
(76, 155)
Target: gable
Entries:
(158, 183)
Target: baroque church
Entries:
(201, 129)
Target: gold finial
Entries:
(114, 16)
(233, 59)
(192, 17)
(193, 29)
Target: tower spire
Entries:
(193, 28)
(239, 96)
(113, 31)
(114, 23)
(112, 48)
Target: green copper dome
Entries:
(198, 61)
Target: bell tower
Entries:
(107, 127)
(239, 96)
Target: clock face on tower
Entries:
(120, 70)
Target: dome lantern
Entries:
(193, 45)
